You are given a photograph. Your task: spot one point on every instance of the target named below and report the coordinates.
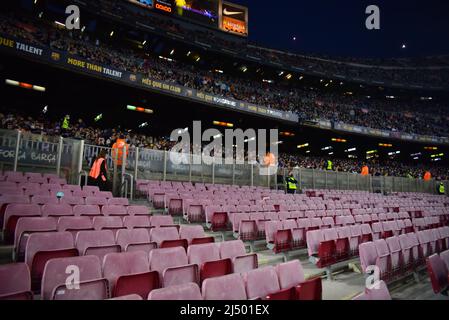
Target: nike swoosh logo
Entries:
(231, 13)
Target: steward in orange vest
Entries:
(98, 174)
(117, 150)
(427, 176)
(365, 170)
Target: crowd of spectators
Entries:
(46, 129)
(419, 117)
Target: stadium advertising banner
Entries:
(166, 6)
(143, 3)
(233, 18)
(202, 11)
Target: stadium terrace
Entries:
(157, 153)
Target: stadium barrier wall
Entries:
(71, 159)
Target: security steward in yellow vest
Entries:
(330, 165)
(441, 189)
(291, 184)
(98, 175)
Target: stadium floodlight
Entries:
(112, 33)
(308, 151)
(189, 53)
(281, 73)
(44, 111)
(251, 139)
(143, 125)
(198, 59)
(139, 109)
(172, 52)
(218, 136)
(331, 153)
(303, 145)
(83, 28)
(60, 24)
(350, 150)
(301, 77)
(288, 76)
(144, 42)
(371, 151)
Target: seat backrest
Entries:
(114, 210)
(314, 238)
(290, 274)
(191, 232)
(88, 239)
(330, 234)
(68, 199)
(33, 224)
(368, 254)
(14, 278)
(157, 221)
(56, 210)
(44, 199)
(187, 292)
(445, 257)
(201, 253)
(86, 210)
(124, 263)
(132, 222)
(74, 223)
(232, 249)
(228, 287)
(161, 234)
(124, 237)
(381, 247)
(46, 241)
(91, 200)
(138, 210)
(438, 273)
(261, 282)
(100, 223)
(356, 230)
(393, 244)
(118, 201)
(55, 272)
(163, 258)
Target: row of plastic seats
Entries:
(400, 255)
(283, 282)
(437, 268)
(28, 225)
(53, 190)
(14, 212)
(20, 177)
(132, 276)
(132, 272)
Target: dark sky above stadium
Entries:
(332, 27)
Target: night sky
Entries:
(337, 28)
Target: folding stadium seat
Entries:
(12, 213)
(129, 273)
(388, 229)
(39, 199)
(314, 238)
(91, 285)
(186, 292)
(86, 210)
(383, 261)
(328, 222)
(71, 188)
(134, 240)
(400, 227)
(96, 201)
(82, 193)
(342, 244)
(366, 219)
(291, 275)
(93, 189)
(284, 215)
(408, 226)
(134, 210)
(438, 273)
(368, 255)
(207, 257)
(97, 243)
(103, 194)
(16, 178)
(277, 237)
(167, 237)
(377, 230)
(228, 287)
(108, 223)
(194, 234)
(237, 218)
(12, 190)
(44, 246)
(424, 243)
(327, 250)
(26, 226)
(159, 200)
(172, 266)
(132, 222)
(118, 201)
(114, 210)
(380, 293)
(374, 218)
(15, 282)
(73, 201)
(396, 257)
(159, 221)
(6, 200)
(261, 282)
(241, 261)
(59, 181)
(407, 252)
(355, 239)
(74, 224)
